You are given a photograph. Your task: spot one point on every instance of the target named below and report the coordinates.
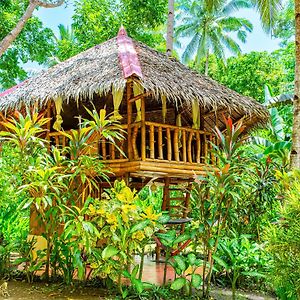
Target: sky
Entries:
(258, 40)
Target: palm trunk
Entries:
(170, 27)
(206, 63)
(295, 154)
(33, 4)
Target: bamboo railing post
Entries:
(189, 147)
(160, 144)
(198, 143)
(169, 143)
(184, 145)
(129, 118)
(152, 141)
(143, 129)
(176, 146)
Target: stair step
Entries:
(175, 181)
(177, 199)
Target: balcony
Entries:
(153, 150)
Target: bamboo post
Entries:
(143, 129)
(184, 145)
(160, 144)
(176, 146)
(166, 195)
(113, 152)
(212, 156)
(103, 146)
(169, 141)
(48, 115)
(205, 147)
(198, 142)
(121, 148)
(64, 141)
(152, 141)
(189, 148)
(216, 142)
(134, 145)
(129, 119)
(56, 141)
(203, 138)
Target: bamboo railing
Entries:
(171, 143)
(150, 141)
(58, 139)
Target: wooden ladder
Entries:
(177, 205)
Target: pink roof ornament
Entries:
(127, 55)
(10, 90)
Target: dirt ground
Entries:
(40, 291)
(225, 294)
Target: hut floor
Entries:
(156, 168)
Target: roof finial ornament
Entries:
(128, 56)
(122, 31)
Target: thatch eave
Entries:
(97, 69)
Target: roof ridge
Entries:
(128, 56)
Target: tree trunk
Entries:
(170, 27)
(9, 39)
(295, 154)
(206, 63)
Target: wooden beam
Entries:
(48, 115)
(138, 97)
(212, 112)
(202, 137)
(143, 129)
(129, 119)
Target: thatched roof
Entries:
(97, 69)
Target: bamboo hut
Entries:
(168, 110)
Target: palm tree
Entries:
(209, 25)
(66, 45)
(268, 11)
(170, 27)
(295, 154)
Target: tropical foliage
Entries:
(33, 44)
(240, 258)
(209, 26)
(283, 240)
(251, 189)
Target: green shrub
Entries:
(284, 241)
(238, 258)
